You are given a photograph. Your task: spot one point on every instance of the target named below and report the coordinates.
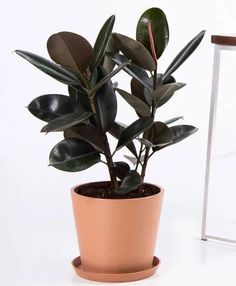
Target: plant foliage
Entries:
(88, 113)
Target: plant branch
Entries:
(110, 162)
(143, 172)
(103, 162)
(139, 156)
(107, 151)
(151, 155)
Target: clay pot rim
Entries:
(73, 192)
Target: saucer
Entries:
(114, 277)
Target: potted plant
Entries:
(116, 220)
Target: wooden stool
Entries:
(222, 43)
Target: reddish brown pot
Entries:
(116, 235)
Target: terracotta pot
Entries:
(116, 236)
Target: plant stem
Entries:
(151, 155)
(143, 172)
(139, 156)
(110, 163)
(146, 156)
(107, 151)
(155, 79)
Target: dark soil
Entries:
(103, 190)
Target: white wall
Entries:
(34, 192)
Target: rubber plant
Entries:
(88, 113)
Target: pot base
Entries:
(114, 277)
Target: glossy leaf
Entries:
(50, 106)
(105, 102)
(172, 120)
(70, 50)
(184, 54)
(180, 132)
(107, 77)
(87, 133)
(81, 96)
(116, 129)
(145, 142)
(66, 121)
(133, 130)
(160, 30)
(101, 42)
(133, 70)
(135, 51)
(134, 160)
(57, 72)
(140, 107)
(121, 169)
(165, 92)
(141, 91)
(159, 134)
(73, 155)
(108, 64)
(130, 183)
(168, 79)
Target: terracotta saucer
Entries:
(116, 277)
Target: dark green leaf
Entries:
(73, 155)
(133, 130)
(87, 133)
(66, 121)
(134, 160)
(50, 106)
(146, 142)
(80, 95)
(131, 182)
(121, 169)
(108, 64)
(140, 107)
(135, 51)
(101, 42)
(116, 129)
(184, 54)
(107, 78)
(165, 92)
(59, 73)
(160, 30)
(105, 102)
(172, 120)
(159, 134)
(132, 69)
(180, 132)
(72, 92)
(70, 50)
(141, 91)
(168, 79)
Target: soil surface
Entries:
(105, 191)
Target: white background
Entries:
(37, 236)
